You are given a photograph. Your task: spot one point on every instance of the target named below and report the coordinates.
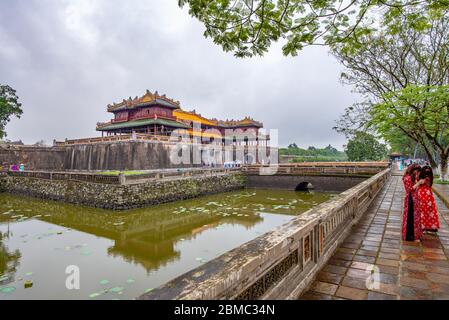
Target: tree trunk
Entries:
(443, 166)
(430, 157)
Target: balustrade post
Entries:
(122, 178)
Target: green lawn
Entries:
(438, 181)
(126, 172)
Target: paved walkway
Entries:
(407, 270)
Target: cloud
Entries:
(69, 59)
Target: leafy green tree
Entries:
(312, 153)
(388, 62)
(399, 142)
(420, 113)
(9, 106)
(365, 147)
(249, 27)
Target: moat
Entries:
(122, 255)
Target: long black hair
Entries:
(426, 172)
(411, 169)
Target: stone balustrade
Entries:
(320, 168)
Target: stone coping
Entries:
(442, 191)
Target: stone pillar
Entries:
(122, 178)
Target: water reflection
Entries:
(9, 260)
(150, 245)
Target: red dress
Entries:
(428, 208)
(411, 218)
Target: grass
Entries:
(319, 159)
(126, 172)
(438, 181)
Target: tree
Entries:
(249, 27)
(420, 113)
(365, 147)
(9, 106)
(399, 70)
(40, 143)
(399, 142)
(388, 62)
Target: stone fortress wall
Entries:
(112, 155)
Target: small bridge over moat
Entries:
(320, 176)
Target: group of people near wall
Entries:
(420, 211)
(17, 167)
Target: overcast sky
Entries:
(68, 59)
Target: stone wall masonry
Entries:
(120, 155)
(122, 197)
(115, 155)
(282, 263)
(34, 158)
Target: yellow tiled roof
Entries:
(182, 115)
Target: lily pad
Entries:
(149, 290)
(29, 274)
(94, 295)
(7, 289)
(117, 289)
(4, 278)
(130, 281)
(85, 252)
(104, 281)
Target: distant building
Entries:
(12, 143)
(396, 156)
(154, 114)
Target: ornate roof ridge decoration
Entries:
(146, 98)
(194, 113)
(247, 121)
